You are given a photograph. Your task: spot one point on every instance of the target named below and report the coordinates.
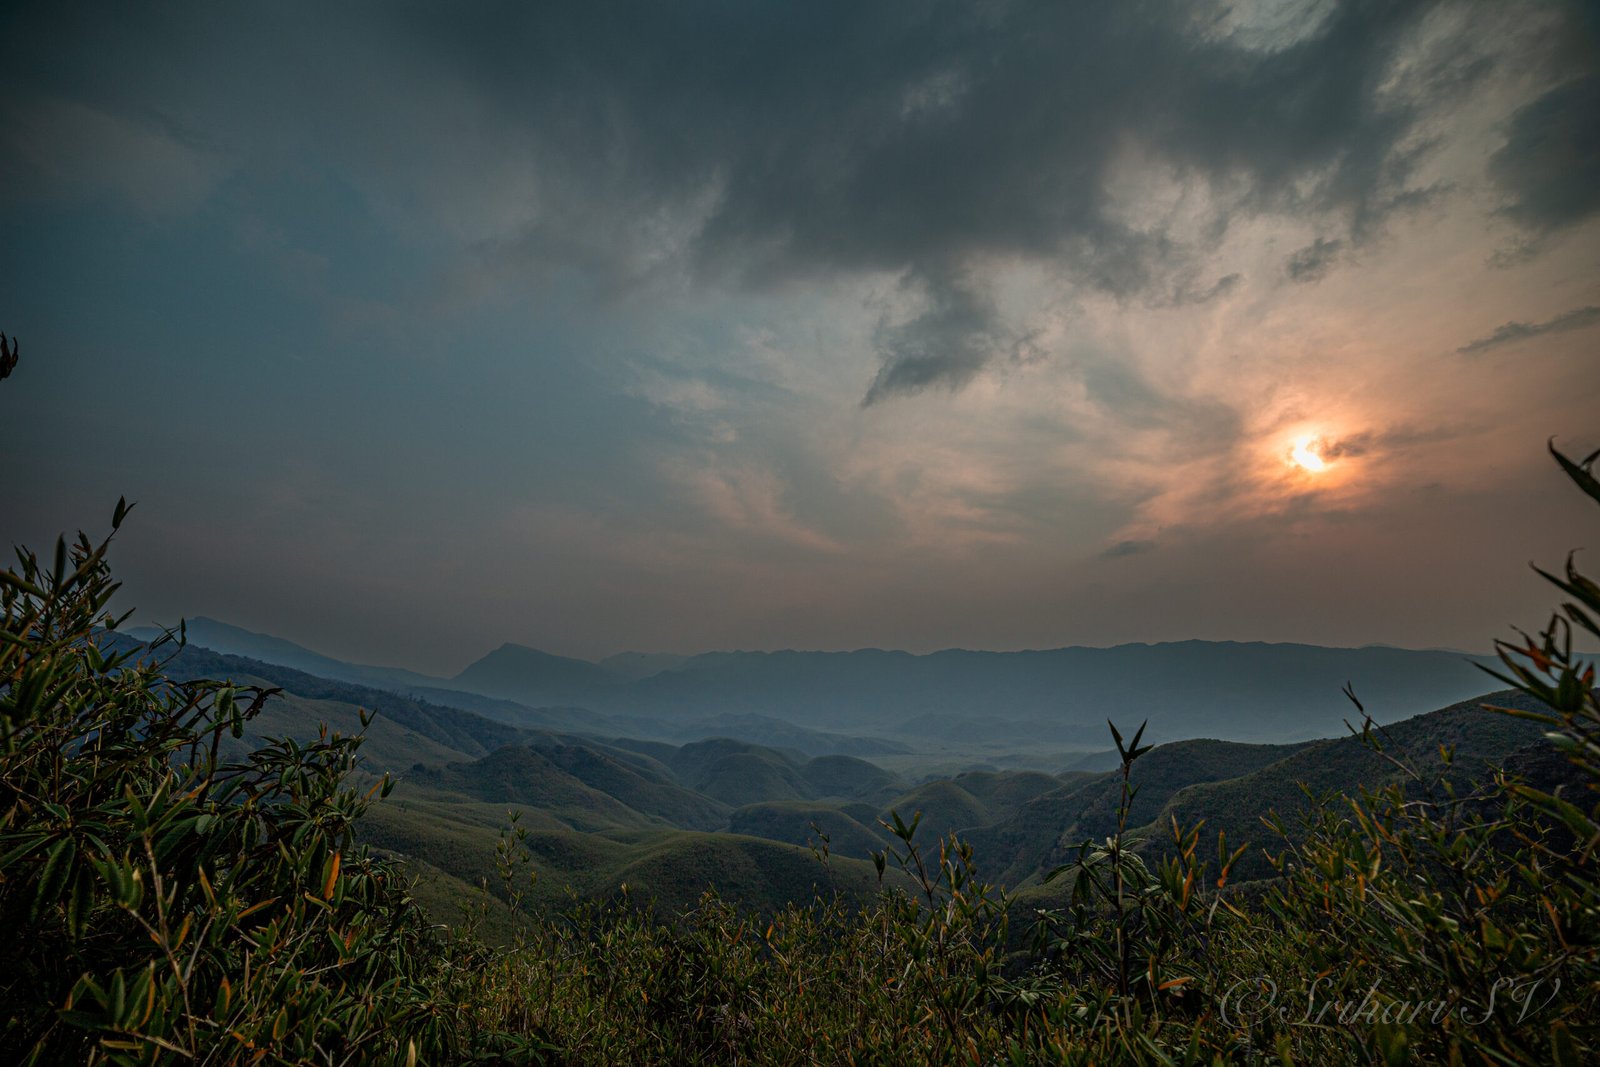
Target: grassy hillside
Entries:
(738, 773)
(1004, 791)
(672, 868)
(1160, 774)
(674, 871)
(636, 780)
(1481, 740)
(797, 822)
(848, 778)
(519, 775)
(1020, 823)
(945, 807)
(1036, 836)
(390, 744)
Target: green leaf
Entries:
(57, 867)
(80, 902)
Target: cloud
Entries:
(1188, 294)
(946, 345)
(929, 142)
(756, 147)
(55, 148)
(1313, 262)
(1128, 548)
(1190, 426)
(1512, 332)
(1549, 167)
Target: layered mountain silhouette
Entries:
(1250, 691)
(529, 676)
(603, 810)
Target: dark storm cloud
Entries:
(1512, 332)
(1549, 167)
(812, 140)
(758, 145)
(1313, 261)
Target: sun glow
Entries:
(1304, 453)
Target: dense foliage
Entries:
(160, 901)
(166, 903)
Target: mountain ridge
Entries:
(1236, 690)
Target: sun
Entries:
(1304, 453)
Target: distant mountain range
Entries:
(605, 809)
(1237, 691)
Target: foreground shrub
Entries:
(159, 902)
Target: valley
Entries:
(748, 806)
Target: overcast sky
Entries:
(418, 328)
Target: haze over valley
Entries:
(688, 778)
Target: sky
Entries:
(414, 329)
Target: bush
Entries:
(161, 903)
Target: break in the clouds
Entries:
(420, 328)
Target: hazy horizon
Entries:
(136, 625)
(415, 330)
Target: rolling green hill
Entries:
(848, 778)
(763, 875)
(944, 806)
(1039, 834)
(667, 867)
(1482, 740)
(1003, 791)
(1159, 774)
(738, 773)
(797, 822)
(636, 780)
(595, 809)
(519, 775)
